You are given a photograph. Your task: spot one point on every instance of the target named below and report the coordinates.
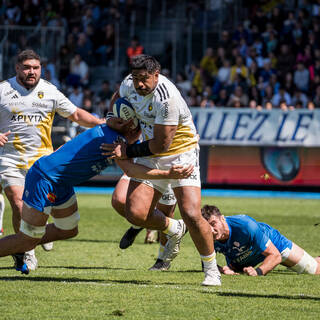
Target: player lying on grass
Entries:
(49, 189)
(246, 243)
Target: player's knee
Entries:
(307, 264)
(32, 231)
(117, 201)
(67, 227)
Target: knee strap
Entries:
(307, 264)
(67, 223)
(32, 231)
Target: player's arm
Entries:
(141, 172)
(273, 258)
(85, 119)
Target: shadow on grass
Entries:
(48, 279)
(73, 280)
(92, 240)
(270, 296)
(84, 268)
(74, 268)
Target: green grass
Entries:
(89, 277)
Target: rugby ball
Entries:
(122, 108)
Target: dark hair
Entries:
(145, 62)
(208, 211)
(26, 55)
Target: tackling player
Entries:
(49, 189)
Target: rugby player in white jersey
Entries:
(27, 108)
(169, 138)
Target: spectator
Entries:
(267, 95)
(288, 83)
(134, 49)
(286, 60)
(301, 98)
(84, 48)
(105, 93)
(301, 77)
(238, 68)
(183, 84)
(76, 96)
(193, 99)
(316, 98)
(222, 99)
(281, 96)
(238, 97)
(106, 49)
(79, 72)
(223, 76)
(48, 77)
(208, 66)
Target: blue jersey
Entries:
(79, 159)
(247, 240)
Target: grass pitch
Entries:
(89, 277)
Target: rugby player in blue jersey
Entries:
(49, 188)
(246, 243)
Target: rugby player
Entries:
(169, 137)
(27, 108)
(255, 248)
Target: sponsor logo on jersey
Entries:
(165, 110)
(9, 92)
(39, 104)
(51, 197)
(40, 94)
(15, 96)
(26, 118)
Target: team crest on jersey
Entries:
(51, 197)
(40, 94)
(150, 108)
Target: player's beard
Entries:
(26, 84)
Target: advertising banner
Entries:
(250, 127)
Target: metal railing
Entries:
(46, 41)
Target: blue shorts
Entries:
(41, 194)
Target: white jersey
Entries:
(29, 114)
(164, 106)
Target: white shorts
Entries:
(165, 163)
(168, 198)
(12, 176)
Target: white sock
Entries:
(1, 211)
(161, 252)
(209, 262)
(31, 252)
(172, 228)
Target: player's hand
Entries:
(119, 124)
(250, 271)
(116, 150)
(180, 172)
(4, 138)
(226, 270)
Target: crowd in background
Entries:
(271, 60)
